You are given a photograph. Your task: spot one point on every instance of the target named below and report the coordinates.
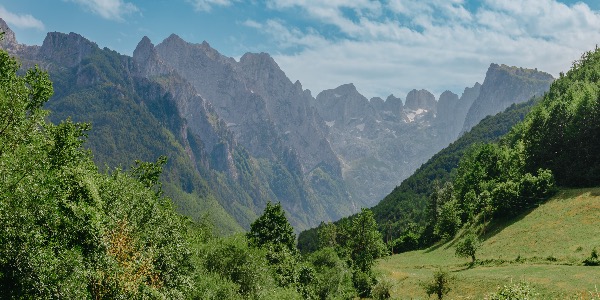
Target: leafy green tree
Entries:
(272, 227)
(468, 247)
(327, 233)
(440, 284)
(365, 242)
(333, 276)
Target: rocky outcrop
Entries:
(11, 45)
(503, 86)
(421, 99)
(343, 106)
(288, 106)
(66, 50)
(380, 142)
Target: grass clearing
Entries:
(544, 247)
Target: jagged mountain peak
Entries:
(261, 67)
(520, 72)
(420, 99)
(67, 50)
(174, 38)
(447, 97)
(144, 50)
(260, 57)
(504, 85)
(10, 40)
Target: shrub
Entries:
(593, 259)
(363, 282)
(468, 247)
(521, 290)
(382, 289)
(440, 285)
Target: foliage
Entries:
(382, 290)
(521, 290)
(272, 228)
(69, 231)
(560, 134)
(333, 276)
(363, 283)
(593, 260)
(468, 246)
(235, 261)
(365, 243)
(439, 285)
(407, 203)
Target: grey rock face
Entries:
(289, 108)
(66, 50)
(503, 86)
(380, 142)
(343, 106)
(393, 105)
(272, 118)
(421, 99)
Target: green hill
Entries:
(544, 246)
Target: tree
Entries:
(365, 241)
(327, 233)
(272, 227)
(440, 285)
(68, 231)
(468, 247)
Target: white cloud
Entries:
(108, 9)
(20, 21)
(434, 44)
(207, 5)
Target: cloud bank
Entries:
(114, 10)
(395, 46)
(207, 5)
(20, 21)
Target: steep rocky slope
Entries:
(503, 86)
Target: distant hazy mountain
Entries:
(383, 142)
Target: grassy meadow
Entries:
(544, 247)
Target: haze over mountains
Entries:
(239, 133)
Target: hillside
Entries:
(544, 246)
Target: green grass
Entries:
(544, 247)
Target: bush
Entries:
(440, 285)
(468, 247)
(382, 289)
(363, 282)
(333, 276)
(521, 290)
(593, 259)
(235, 261)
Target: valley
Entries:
(178, 170)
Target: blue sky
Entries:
(383, 47)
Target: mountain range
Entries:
(239, 133)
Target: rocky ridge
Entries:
(503, 86)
